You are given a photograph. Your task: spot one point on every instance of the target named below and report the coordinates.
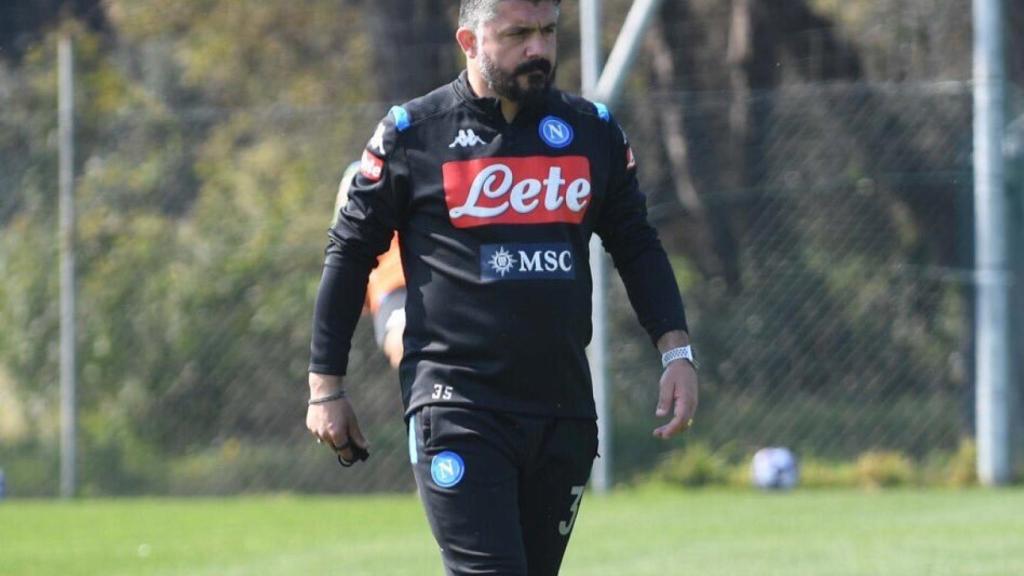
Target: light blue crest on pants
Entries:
(447, 469)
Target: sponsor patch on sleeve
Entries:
(545, 261)
(371, 167)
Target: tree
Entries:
(414, 48)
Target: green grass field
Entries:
(655, 532)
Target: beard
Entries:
(538, 75)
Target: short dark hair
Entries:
(474, 12)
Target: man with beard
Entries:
(495, 183)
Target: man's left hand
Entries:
(678, 394)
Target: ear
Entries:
(466, 38)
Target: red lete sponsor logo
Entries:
(530, 190)
(371, 166)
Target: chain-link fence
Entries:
(821, 234)
(849, 326)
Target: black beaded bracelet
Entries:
(329, 398)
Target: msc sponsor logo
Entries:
(529, 190)
(549, 261)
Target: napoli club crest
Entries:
(447, 469)
(555, 132)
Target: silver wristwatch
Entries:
(684, 353)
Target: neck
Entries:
(481, 88)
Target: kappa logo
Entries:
(522, 190)
(467, 139)
(548, 261)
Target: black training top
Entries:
(494, 220)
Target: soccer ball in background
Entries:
(775, 469)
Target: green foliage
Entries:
(203, 194)
(962, 469)
(30, 322)
(818, 473)
(234, 467)
(958, 469)
(30, 468)
(114, 460)
(884, 469)
(699, 466)
(228, 468)
(694, 466)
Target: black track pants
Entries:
(501, 491)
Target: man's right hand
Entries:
(334, 422)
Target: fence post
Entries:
(1013, 149)
(992, 264)
(590, 56)
(68, 370)
(605, 86)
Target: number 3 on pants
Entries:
(564, 528)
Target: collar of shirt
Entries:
(491, 106)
